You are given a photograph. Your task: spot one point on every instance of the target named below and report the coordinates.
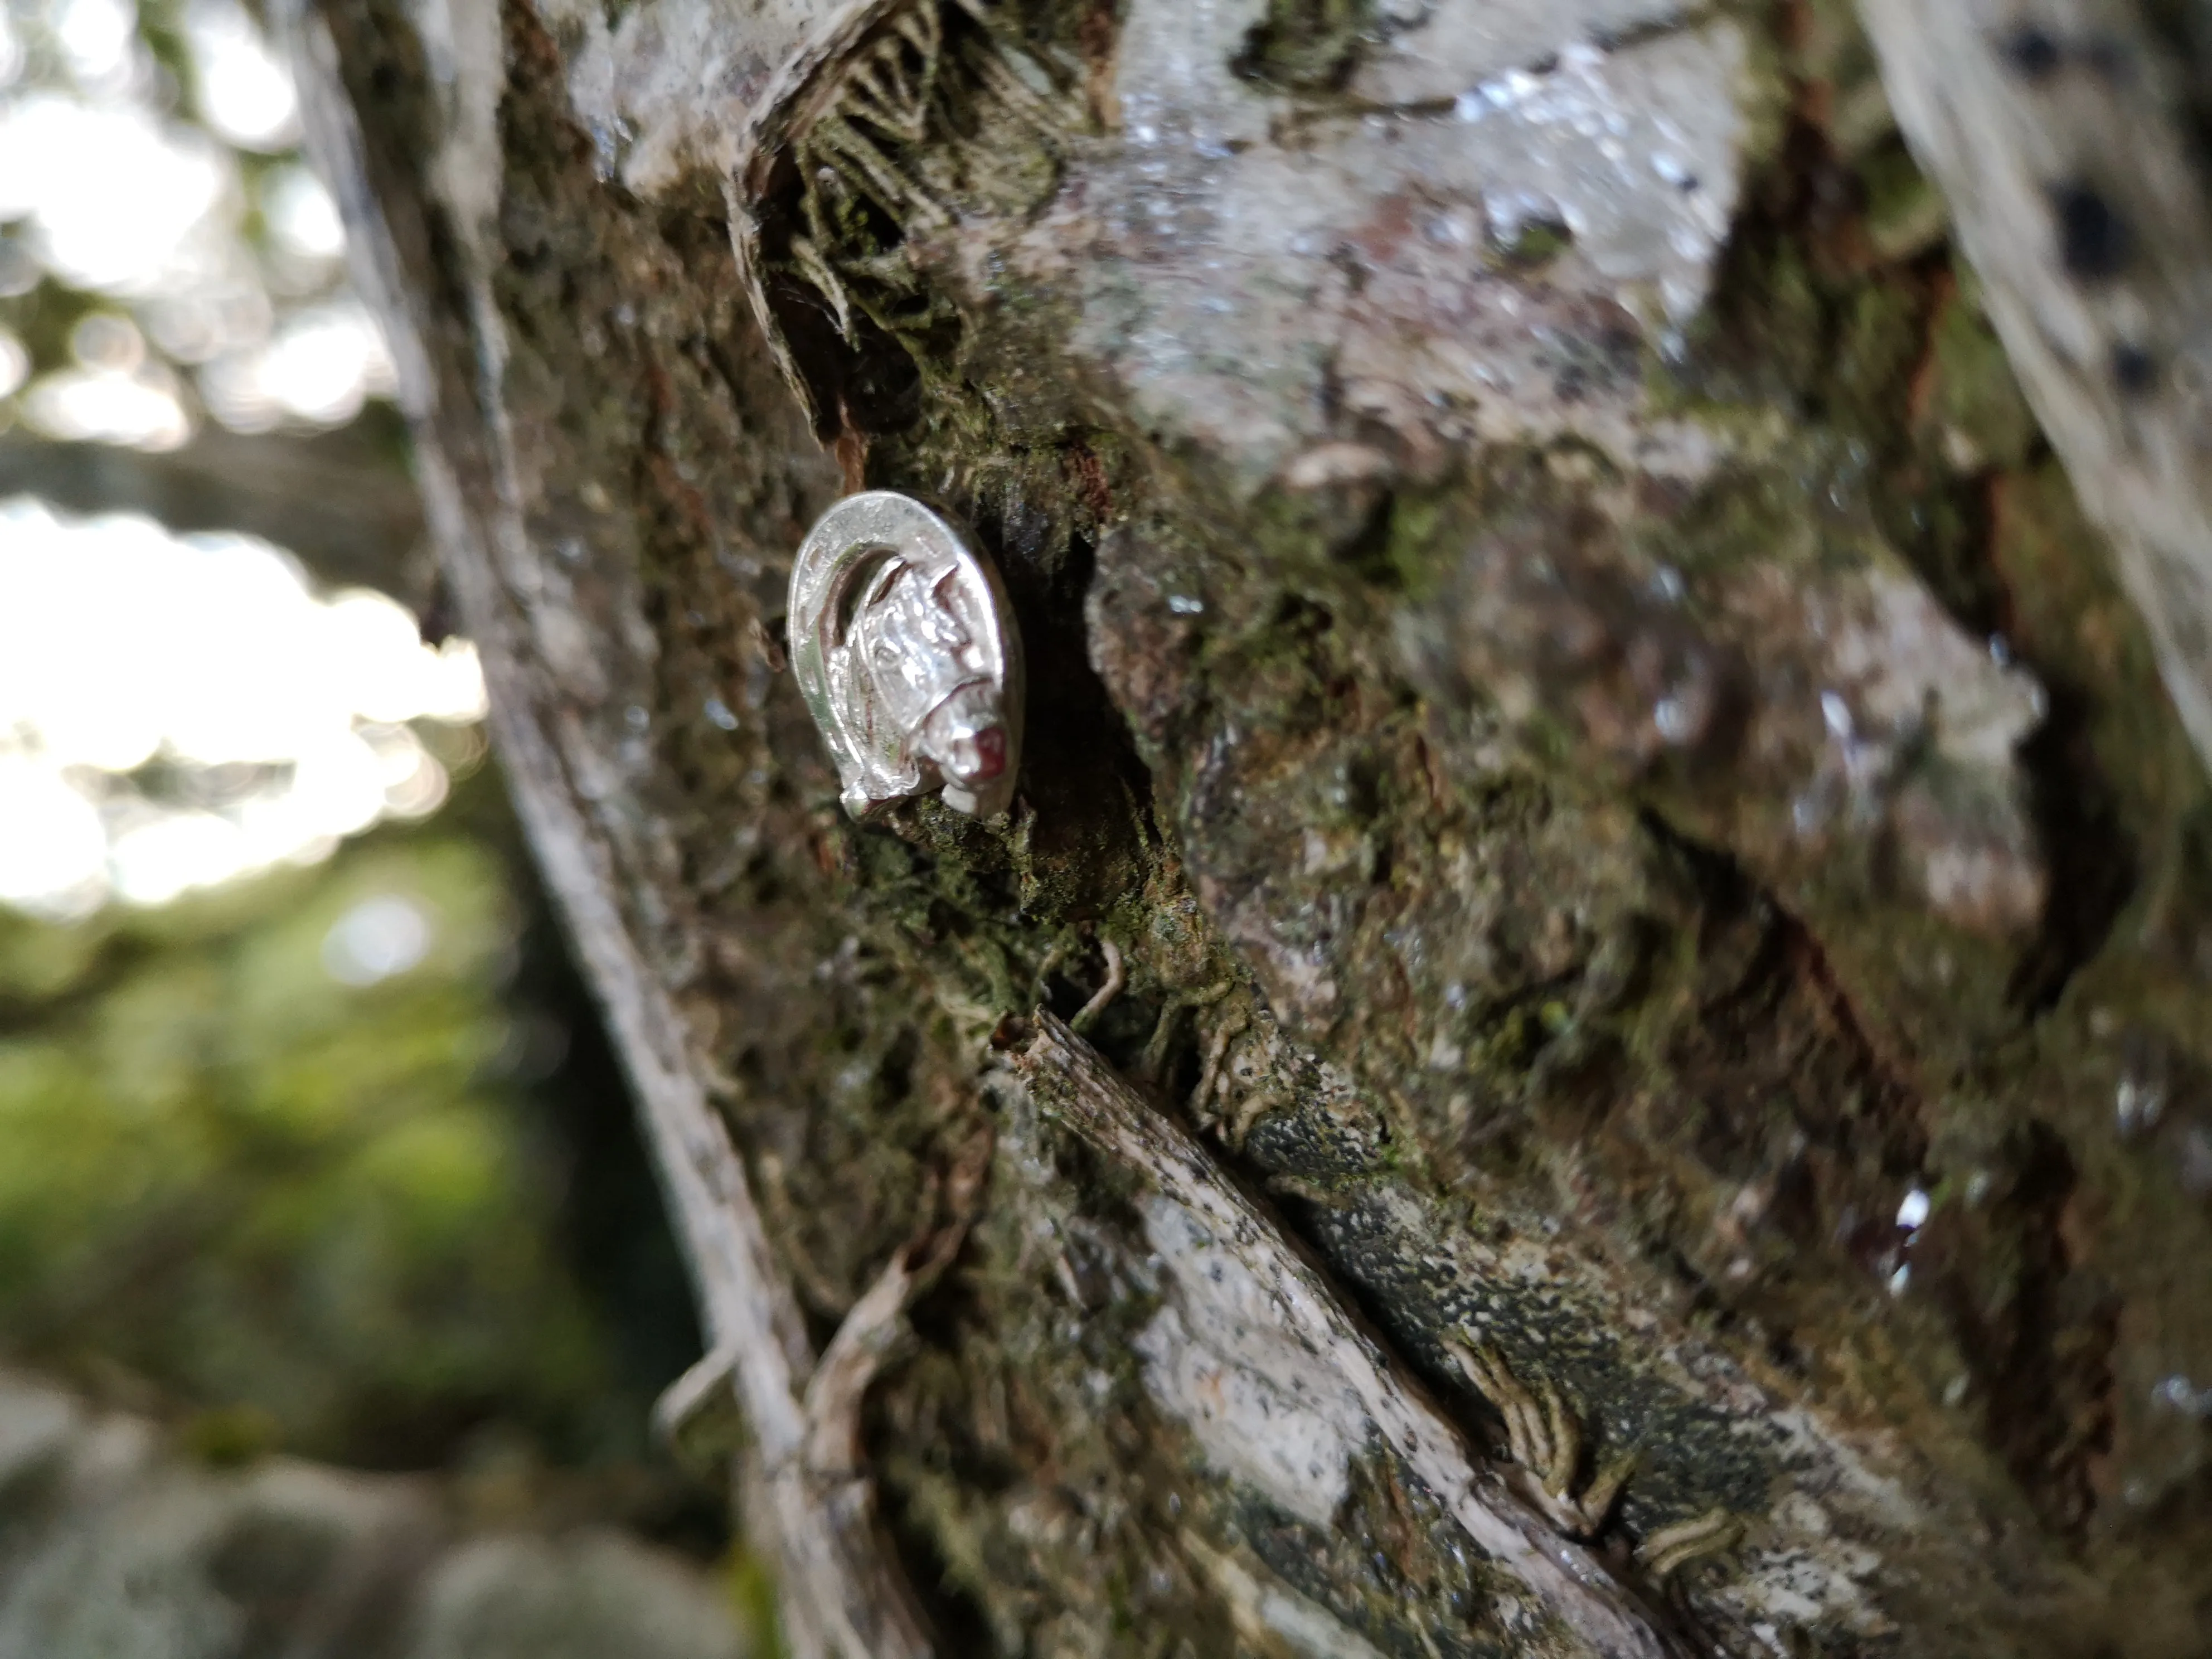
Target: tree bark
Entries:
(1660, 905)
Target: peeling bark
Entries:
(1255, 1354)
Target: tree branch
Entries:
(339, 500)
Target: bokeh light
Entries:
(232, 265)
(120, 202)
(379, 939)
(245, 92)
(177, 711)
(318, 368)
(290, 1159)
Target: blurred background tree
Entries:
(181, 339)
(309, 1139)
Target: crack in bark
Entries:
(1074, 1082)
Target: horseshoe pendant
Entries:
(908, 656)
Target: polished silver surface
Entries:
(906, 654)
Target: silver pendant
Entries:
(907, 653)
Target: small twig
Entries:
(872, 1332)
(697, 1416)
(1153, 1062)
(1053, 956)
(1217, 1052)
(1670, 1549)
(1237, 1126)
(1116, 981)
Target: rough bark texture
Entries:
(1642, 833)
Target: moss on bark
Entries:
(1625, 1050)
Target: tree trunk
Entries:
(1588, 1034)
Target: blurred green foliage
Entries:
(234, 1182)
(381, 1206)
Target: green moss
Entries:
(751, 1593)
(1904, 216)
(300, 1206)
(1972, 409)
(1536, 995)
(1537, 243)
(1306, 46)
(230, 1438)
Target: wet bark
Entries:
(1662, 906)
